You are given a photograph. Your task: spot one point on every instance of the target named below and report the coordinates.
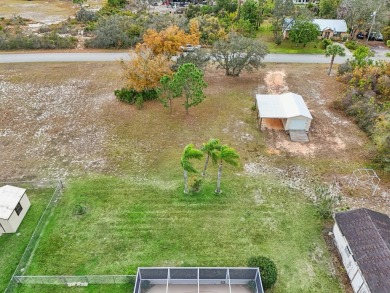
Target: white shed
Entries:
(14, 205)
(362, 237)
(290, 108)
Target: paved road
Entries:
(93, 57)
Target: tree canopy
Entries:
(334, 50)
(189, 81)
(303, 31)
(144, 72)
(236, 53)
(168, 41)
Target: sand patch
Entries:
(276, 82)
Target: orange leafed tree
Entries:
(146, 69)
(168, 41)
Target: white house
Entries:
(329, 28)
(362, 237)
(14, 205)
(290, 108)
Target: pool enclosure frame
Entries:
(198, 276)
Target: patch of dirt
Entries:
(276, 83)
(42, 11)
(49, 128)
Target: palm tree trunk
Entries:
(331, 64)
(205, 165)
(218, 190)
(185, 182)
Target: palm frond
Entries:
(190, 152)
(211, 145)
(229, 155)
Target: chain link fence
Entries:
(34, 240)
(75, 280)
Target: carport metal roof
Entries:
(285, 105)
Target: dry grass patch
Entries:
(45, 11)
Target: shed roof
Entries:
(286, 105)
(9, 198)
(336, 25)
(368, 235)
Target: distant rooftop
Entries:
(336, 25)
(368, 235)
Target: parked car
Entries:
(190, 48)
(360, 35)
(378, 37)
(371, 36)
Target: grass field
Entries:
(131, 223)
(13, 245)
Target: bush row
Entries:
(31, 41)
(368, 101)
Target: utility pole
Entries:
(372, 24)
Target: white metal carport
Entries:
(290, 108)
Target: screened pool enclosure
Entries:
(197, 280)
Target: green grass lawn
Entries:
(265, 34)
(13, 245)
(131, 223)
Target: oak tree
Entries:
(236, 53)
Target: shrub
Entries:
(325, 202)
(388, 43)
(351, 45)
(325, 43)
(84, 15)
(44, 29)
(344, 68)
(115, 31)
(133, 97)
(196, 185)
(32, 41)
(79, 210)
(267, 269)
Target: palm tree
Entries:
(211, 149)
(334, 50)
(190, 152)
(228, 155)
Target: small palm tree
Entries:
(334, 50)
(190, 152)
(228, 155)
(211, 149)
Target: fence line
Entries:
(75, 280)
(34, 240)
(40, 183)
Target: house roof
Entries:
(9, 198)
(336, 25)
(368, 235)
(286, 105)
